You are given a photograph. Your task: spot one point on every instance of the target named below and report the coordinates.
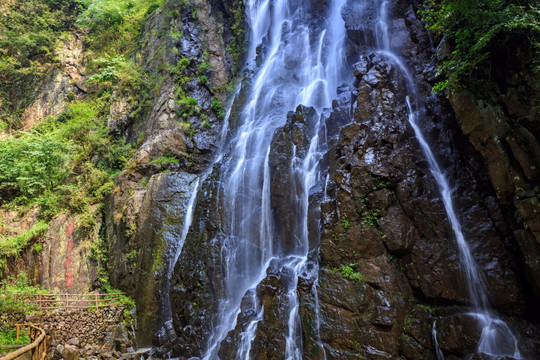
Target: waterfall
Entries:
(496, 338)
(438, 351)
(303, 62)
(297, 56)
(177, 248)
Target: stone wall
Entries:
(103, 334)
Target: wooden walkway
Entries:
(71, 301)
(38, 347)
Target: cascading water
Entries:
(438, 351)
(298, 57)
(303, 62)
(496, 338)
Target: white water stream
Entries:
(302, 63)
(496, 340)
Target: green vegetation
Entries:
(409, 321)
(10, 338)
(237, 45)
(347, 271)
(66, 163)
(121, 300)
(218, 108)
(379, 182)
(479, 31)
(30, 32)
(13, 291)
(372, 218)
(12, 246)
(114, 24)
(345, 222)
(165, 159)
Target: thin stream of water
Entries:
(496, 338)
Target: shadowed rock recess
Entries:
(385, 267)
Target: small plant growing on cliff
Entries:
(165, 159)
(188, 106)
(38, 248)
(176, 35)
(218, 108)
(203, 79)
(347, 271)
(372, 218)
(379, 182)
(345, 222)
(206, 124)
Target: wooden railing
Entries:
(38, 347)
(71, 301)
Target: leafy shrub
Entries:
(103, 13)
(476, 29)
(10, 338)
(218, 108)
(114, 24)
(119, 71)
(14, 290)
(32, 164)
(13, 246)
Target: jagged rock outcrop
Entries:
(387, 222)
(62, 85)
(184, 47)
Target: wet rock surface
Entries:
(289, 145)
(386, 221)
(389, 265)
(154, 224)
(176, 130)
(192, 291)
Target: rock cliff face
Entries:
(388, 268)
(146, 213)
(386, 219)
(504, 131)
